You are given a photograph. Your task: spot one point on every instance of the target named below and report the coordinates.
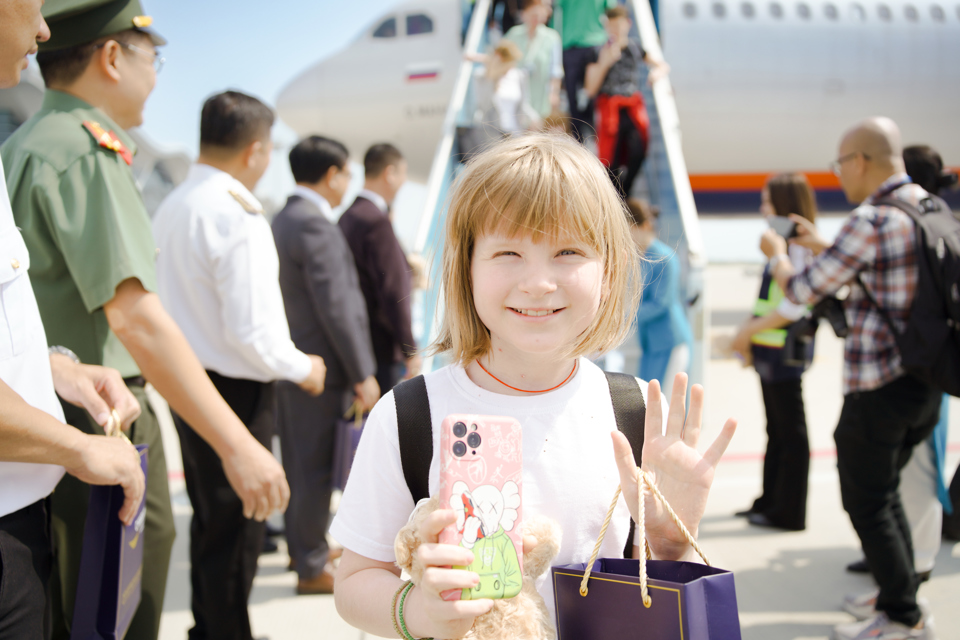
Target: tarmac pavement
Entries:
(789, 585)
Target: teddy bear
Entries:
(525, 616)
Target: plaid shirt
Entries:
(879, 243)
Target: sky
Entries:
(254, 46)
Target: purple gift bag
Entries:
(645, 599)
(690, 601)
(108, 589)
(349, 430)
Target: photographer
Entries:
(765, 341)
(886, 412)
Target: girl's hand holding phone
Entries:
(427, 614)
(672, 462)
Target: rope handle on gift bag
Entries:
(642, 480)
(113, 428)
(356, 412)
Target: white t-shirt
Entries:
(217, 275)
(24, 362)
(569, 471)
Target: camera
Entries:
(797, 349)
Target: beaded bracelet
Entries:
(393, 607)
(403, 625)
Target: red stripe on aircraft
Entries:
(755, 181)
(428, 75)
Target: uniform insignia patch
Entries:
(108, 140)
(249, 207)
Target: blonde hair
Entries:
(536, 185)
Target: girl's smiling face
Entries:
(536, 297)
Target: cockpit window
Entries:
(830, 10)
(911, 13)
(936, 12)
(387, 29)
(719, 10)
(690, 10)
(803, 10)
(776, 10)
(747, 10)
(419, 23)
(858, 12)
(884, 12)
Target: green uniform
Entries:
(539, 62)
(85, 225)
(580, 24)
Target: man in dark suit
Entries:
(327, 316)
(382, 265)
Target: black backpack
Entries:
(929, 346)
(415, 430)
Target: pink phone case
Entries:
(481, 464)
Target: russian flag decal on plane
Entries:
(429, 71)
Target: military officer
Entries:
(88, 233)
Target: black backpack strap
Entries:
(630, 413)
(415, 432)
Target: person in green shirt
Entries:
(542, 58)
(92, 267)
(580, 23)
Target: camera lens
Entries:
(473, 440)
(459, 429)
(459, 449)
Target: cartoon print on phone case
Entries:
(480, 479)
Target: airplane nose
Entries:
(301, 103)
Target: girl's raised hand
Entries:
(428, 614)
(672, 462)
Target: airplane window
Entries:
(830, 10)
(387, 29)
(936, 12)
(719, 10)
(859, 12)
(911, 13)
(803, 10)
(884, 12)
(776, 10)
(690, 10)
(418, 23)
(747, 10)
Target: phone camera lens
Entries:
(459, 449)
(459, 429)
(473, 440)
(473, 427)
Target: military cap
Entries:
(74, 22)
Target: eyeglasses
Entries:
(835, 165)
(155, 57)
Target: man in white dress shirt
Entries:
(217, 275)
(36, 447)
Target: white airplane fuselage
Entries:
(756, 93)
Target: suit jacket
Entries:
(321, 293)
(384, 279)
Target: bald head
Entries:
(878, 139)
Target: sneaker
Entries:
(880, 627)
(864, 606)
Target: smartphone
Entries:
(783, 226)
(481, 467)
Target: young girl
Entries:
(538, 266)
(783, 504)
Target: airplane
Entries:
(761, 86)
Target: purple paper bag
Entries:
(690, 602)
(345, 448)
(108, 589)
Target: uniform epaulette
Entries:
(249, 207)
(108, 140)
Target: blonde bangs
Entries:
(536, 185)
